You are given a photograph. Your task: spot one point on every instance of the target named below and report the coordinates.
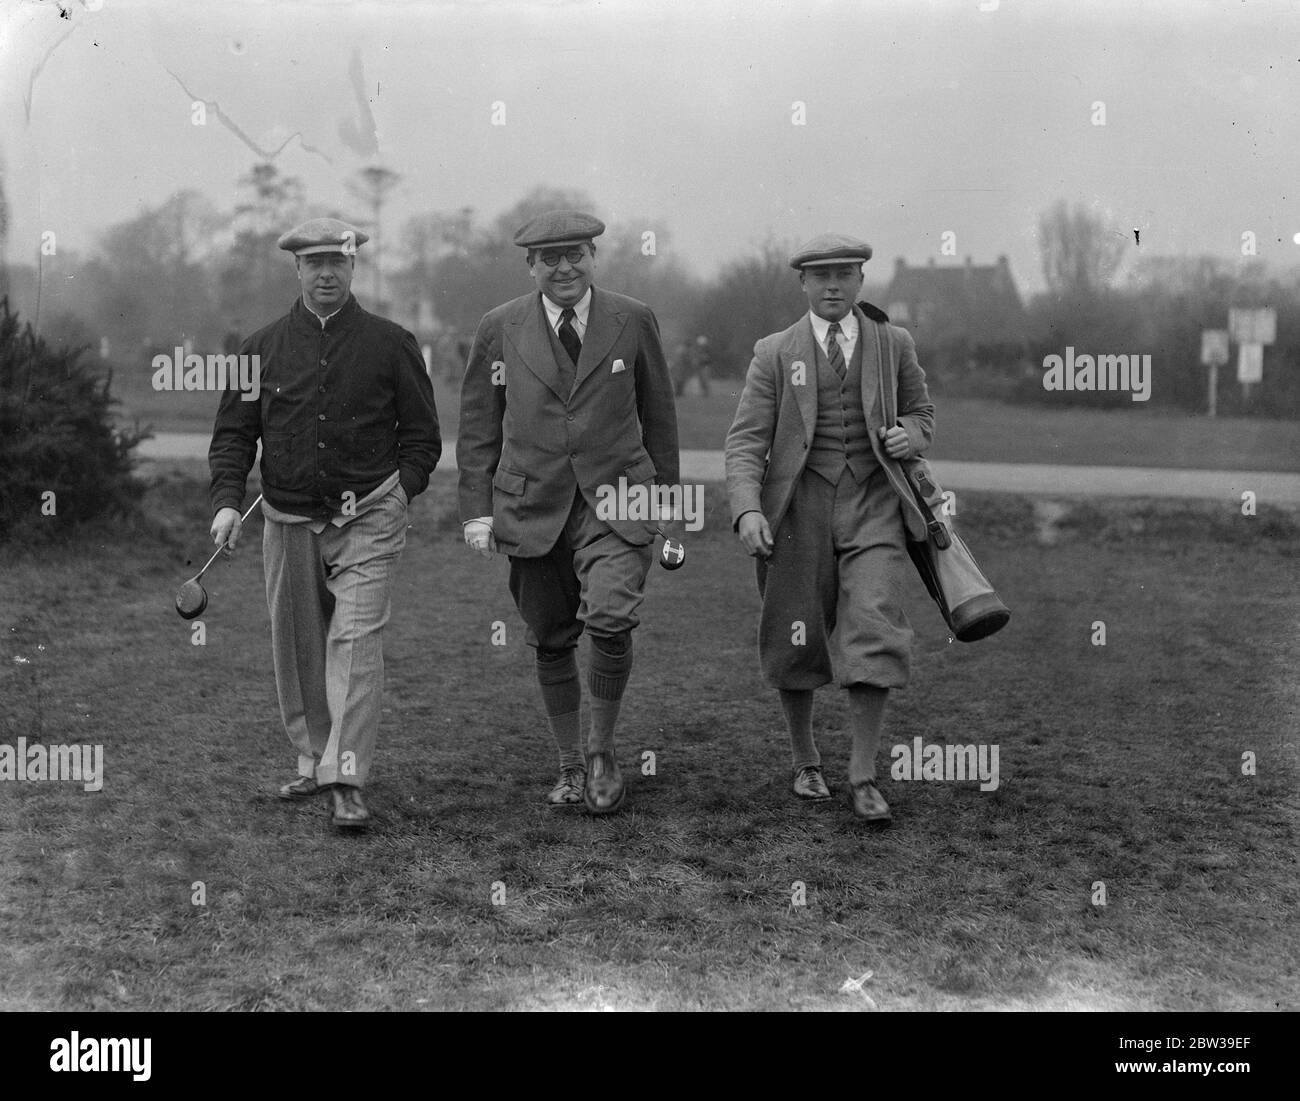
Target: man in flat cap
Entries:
(818, 497)
(567, 392)
(349, 437)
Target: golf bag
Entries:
(966, 600)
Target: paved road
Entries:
(1029, 478)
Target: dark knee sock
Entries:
(798, 708)
(557, 676)
(611, 665)
(867, 719)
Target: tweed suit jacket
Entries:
(525, 444)
(767, 445)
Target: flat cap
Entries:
(323, 235)
(832, 248)
(558, 227)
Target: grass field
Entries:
(1119, 764)
(967, 428)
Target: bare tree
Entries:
(1080, 253)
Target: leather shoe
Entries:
(569, 789)
(302, 788)
(869, 804)
(349, 808)
(809, 784)
(605, 790)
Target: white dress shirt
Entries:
(848, 334)
(580, 311)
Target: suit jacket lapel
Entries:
(604, 323)
(871, 368)
(527, 332)
(803, 349)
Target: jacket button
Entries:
(321, 417)
(570, 416)
(322, 389)
(320, 445)
(323, 362)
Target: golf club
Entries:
(673, 553)
(192, 597)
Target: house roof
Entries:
(977, 301)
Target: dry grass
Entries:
(1119, 764)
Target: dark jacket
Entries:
(340, 409)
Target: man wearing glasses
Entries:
(567, 391)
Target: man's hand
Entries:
(756, 535)
(478, 537)
(898, 445)
(225, 528)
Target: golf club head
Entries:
(191, 599)
(672, 554)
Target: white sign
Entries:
(1214, 347)
(1253, 326)
(1250, 363)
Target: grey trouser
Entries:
(328, 595)
(833, 588)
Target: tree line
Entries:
(187, 271)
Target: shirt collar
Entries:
(580, 310)
(319, 319)
(822, 328)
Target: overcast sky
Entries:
(920, 118)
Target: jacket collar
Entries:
(528, 331)
(347, 314)
(801, 347)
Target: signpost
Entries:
(1252, 330)
(1214, 354)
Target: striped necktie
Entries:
(834, 352)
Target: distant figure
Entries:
(233, 339)
(695, 363)
(681, 366)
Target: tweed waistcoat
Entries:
(840, 436)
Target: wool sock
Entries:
(611, 665)
(798, 707)
(866, 717)
(557, 676)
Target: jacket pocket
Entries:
(643, 470)
(507, 481)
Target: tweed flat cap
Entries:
(558, 227)
(832, 248)
(323, 235)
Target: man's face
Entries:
(831, 289)
(326, 278)
(567, 282)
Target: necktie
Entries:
(569, 335)
(834, 352)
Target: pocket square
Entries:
(618, 366)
